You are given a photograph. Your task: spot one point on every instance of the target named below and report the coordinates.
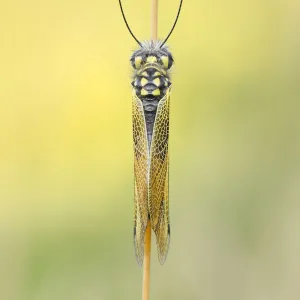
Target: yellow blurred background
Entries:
(66, 158)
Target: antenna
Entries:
(178, 13)
(128, 25)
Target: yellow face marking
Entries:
(144, 81)
(145, 74)
(164, 72)
(144, 92)
(137, 61)
(156, 92)
(157, 74)
(156, 81)
(165, 61)
(151, 59)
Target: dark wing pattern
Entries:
(140, 177)
(159, 179)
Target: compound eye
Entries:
(165, 61)
(170, 61)
(136, 61)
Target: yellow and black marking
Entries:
(144, 81)
(151, 59)
(156, 81)
(151, 78)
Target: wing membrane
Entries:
(140, 176)
(159, 179)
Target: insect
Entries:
(151, 88)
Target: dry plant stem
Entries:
(147, 254)
(147, 249)
(154, 18)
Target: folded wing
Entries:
(140, 177)
(159, 179)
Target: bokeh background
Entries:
(66, 158)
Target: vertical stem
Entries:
(147, 248)
(147, 254)
(154, 19)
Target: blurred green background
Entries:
(66, 158)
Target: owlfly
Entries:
(151, 88)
